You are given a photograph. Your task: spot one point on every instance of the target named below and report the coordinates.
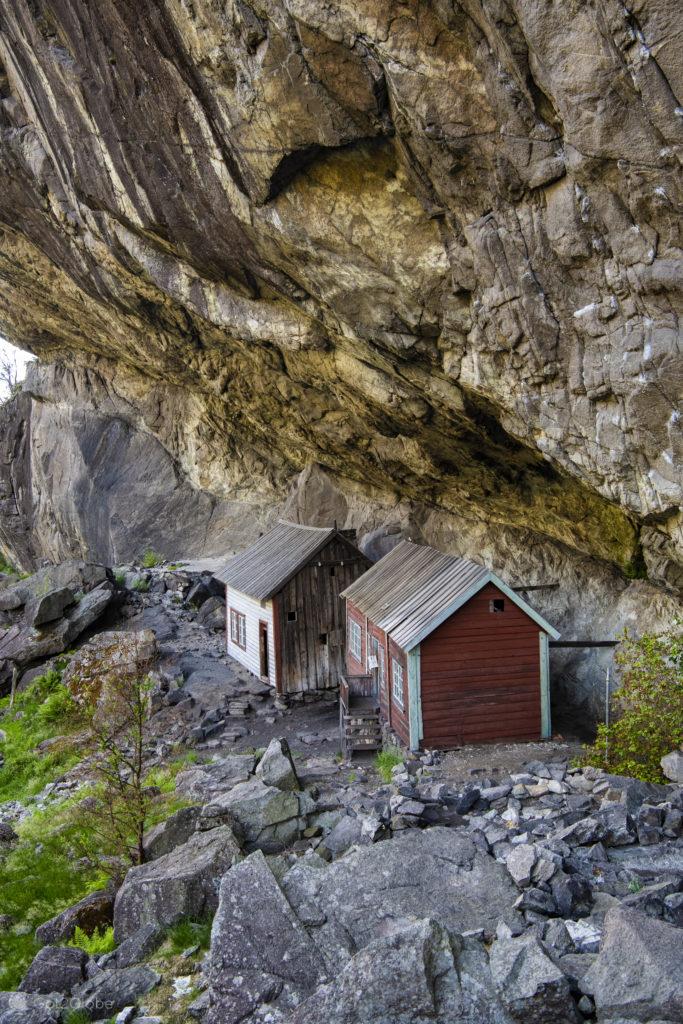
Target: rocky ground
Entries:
(492, 884)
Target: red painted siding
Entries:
(353, 666)
(384, 685)
(399, 715)
(480, 675)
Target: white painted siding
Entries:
(254, 613)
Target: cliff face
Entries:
(432, 248)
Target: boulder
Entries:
(48, 607)
(212, 613)
(260, 951)
(520, 863)
(136, 947)
(95, 670)
(204, 589)
(173, 832)
(672, 766)
(7, 834)
(55, 969)
(406, 978)
(638, 973)
(93, 912)
(28, 1008)
(267, 817)
(202, 782)
(345, 834)
(532, 987)
(23, 644)
(183, 883)
(276, 767)
(374, 890)
(72, 574)
(618, 825)
(111, 990)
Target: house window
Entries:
(497, 605)
(291, 616)
(355, 642)
(323, 639)
(238, 629)
(397, 681)
(333, 571)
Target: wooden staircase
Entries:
(359, 724)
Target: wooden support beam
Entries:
(584, 643)
(536, 586)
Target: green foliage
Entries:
(190, 933)
(141, 585)
(386, 760)
(646, 713)
(164, 776)
(151, 559)
(101, 941)
(42, 712)
(120, 577)
(6, 566)
(76, 1017)
(634, 885)
(41, 876)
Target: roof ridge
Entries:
(305, 526)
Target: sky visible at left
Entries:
(22, 359)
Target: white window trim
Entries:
(356, 640)
(238, 628)
(397, 677)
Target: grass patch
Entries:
(120, 578)
(44, 711)
(190, 933)
(151, 559)
(40, 877)
(386, 760)
(141, 585)
(76, 1017)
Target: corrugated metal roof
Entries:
(409, 591)
(263, 569)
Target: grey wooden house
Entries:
(285, 621)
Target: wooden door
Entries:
(263, 649)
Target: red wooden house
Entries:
(458, 656)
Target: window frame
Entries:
(397, 675)
(238, 629)
(356, 633)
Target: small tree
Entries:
(117, 813)
(647, 710)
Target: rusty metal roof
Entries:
(410, 591)
(263, 569)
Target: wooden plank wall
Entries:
(307, 663)
(480, 675)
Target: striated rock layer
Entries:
(426, 254)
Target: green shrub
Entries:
(119, 578)
(141, 585)
(646, 712)
(101, 941)
(76, 1017)
(190, 933)
(151, 559)
(386, 760)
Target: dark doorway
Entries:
(263, 648)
